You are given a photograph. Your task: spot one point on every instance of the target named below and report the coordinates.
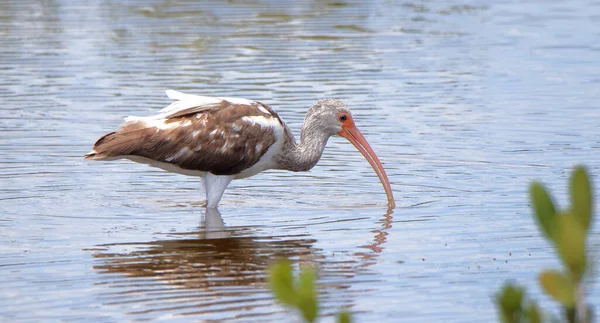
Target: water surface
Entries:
(464, 102)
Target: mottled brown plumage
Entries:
(217, 140)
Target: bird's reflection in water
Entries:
(214, 269)
(219, 270)
(376, 247)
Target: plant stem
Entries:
(570, 314)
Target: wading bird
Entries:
(222, 139)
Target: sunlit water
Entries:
(465, 104)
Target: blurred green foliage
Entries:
(295, 292)
(567, 231)
(298, 292)
(514, 308)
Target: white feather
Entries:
(267, 160)
(184, 151)
(164, 166)
(263, 109)
(185, 101)
(262, 121)
(175, 95)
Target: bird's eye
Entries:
(343, 117)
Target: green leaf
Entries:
(581, 197)
(344, 317)
(543, 208)
(533, 313)
(509, 302)
(559, 286)
(307, 300)
(308, 307)
(570, 241)
(281, 281)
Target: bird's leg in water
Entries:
(215, 186)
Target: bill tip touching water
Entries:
(222, 139)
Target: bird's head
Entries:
(334, 118)
(330, 115)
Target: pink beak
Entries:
(353, 135)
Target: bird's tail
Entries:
(131, 137)
(103, 148)
(91, 156)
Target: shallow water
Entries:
(464, 103)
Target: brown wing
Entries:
(223, 140)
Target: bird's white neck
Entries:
(303, 156)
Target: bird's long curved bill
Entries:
(358, 140)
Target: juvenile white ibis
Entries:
(222, 139)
